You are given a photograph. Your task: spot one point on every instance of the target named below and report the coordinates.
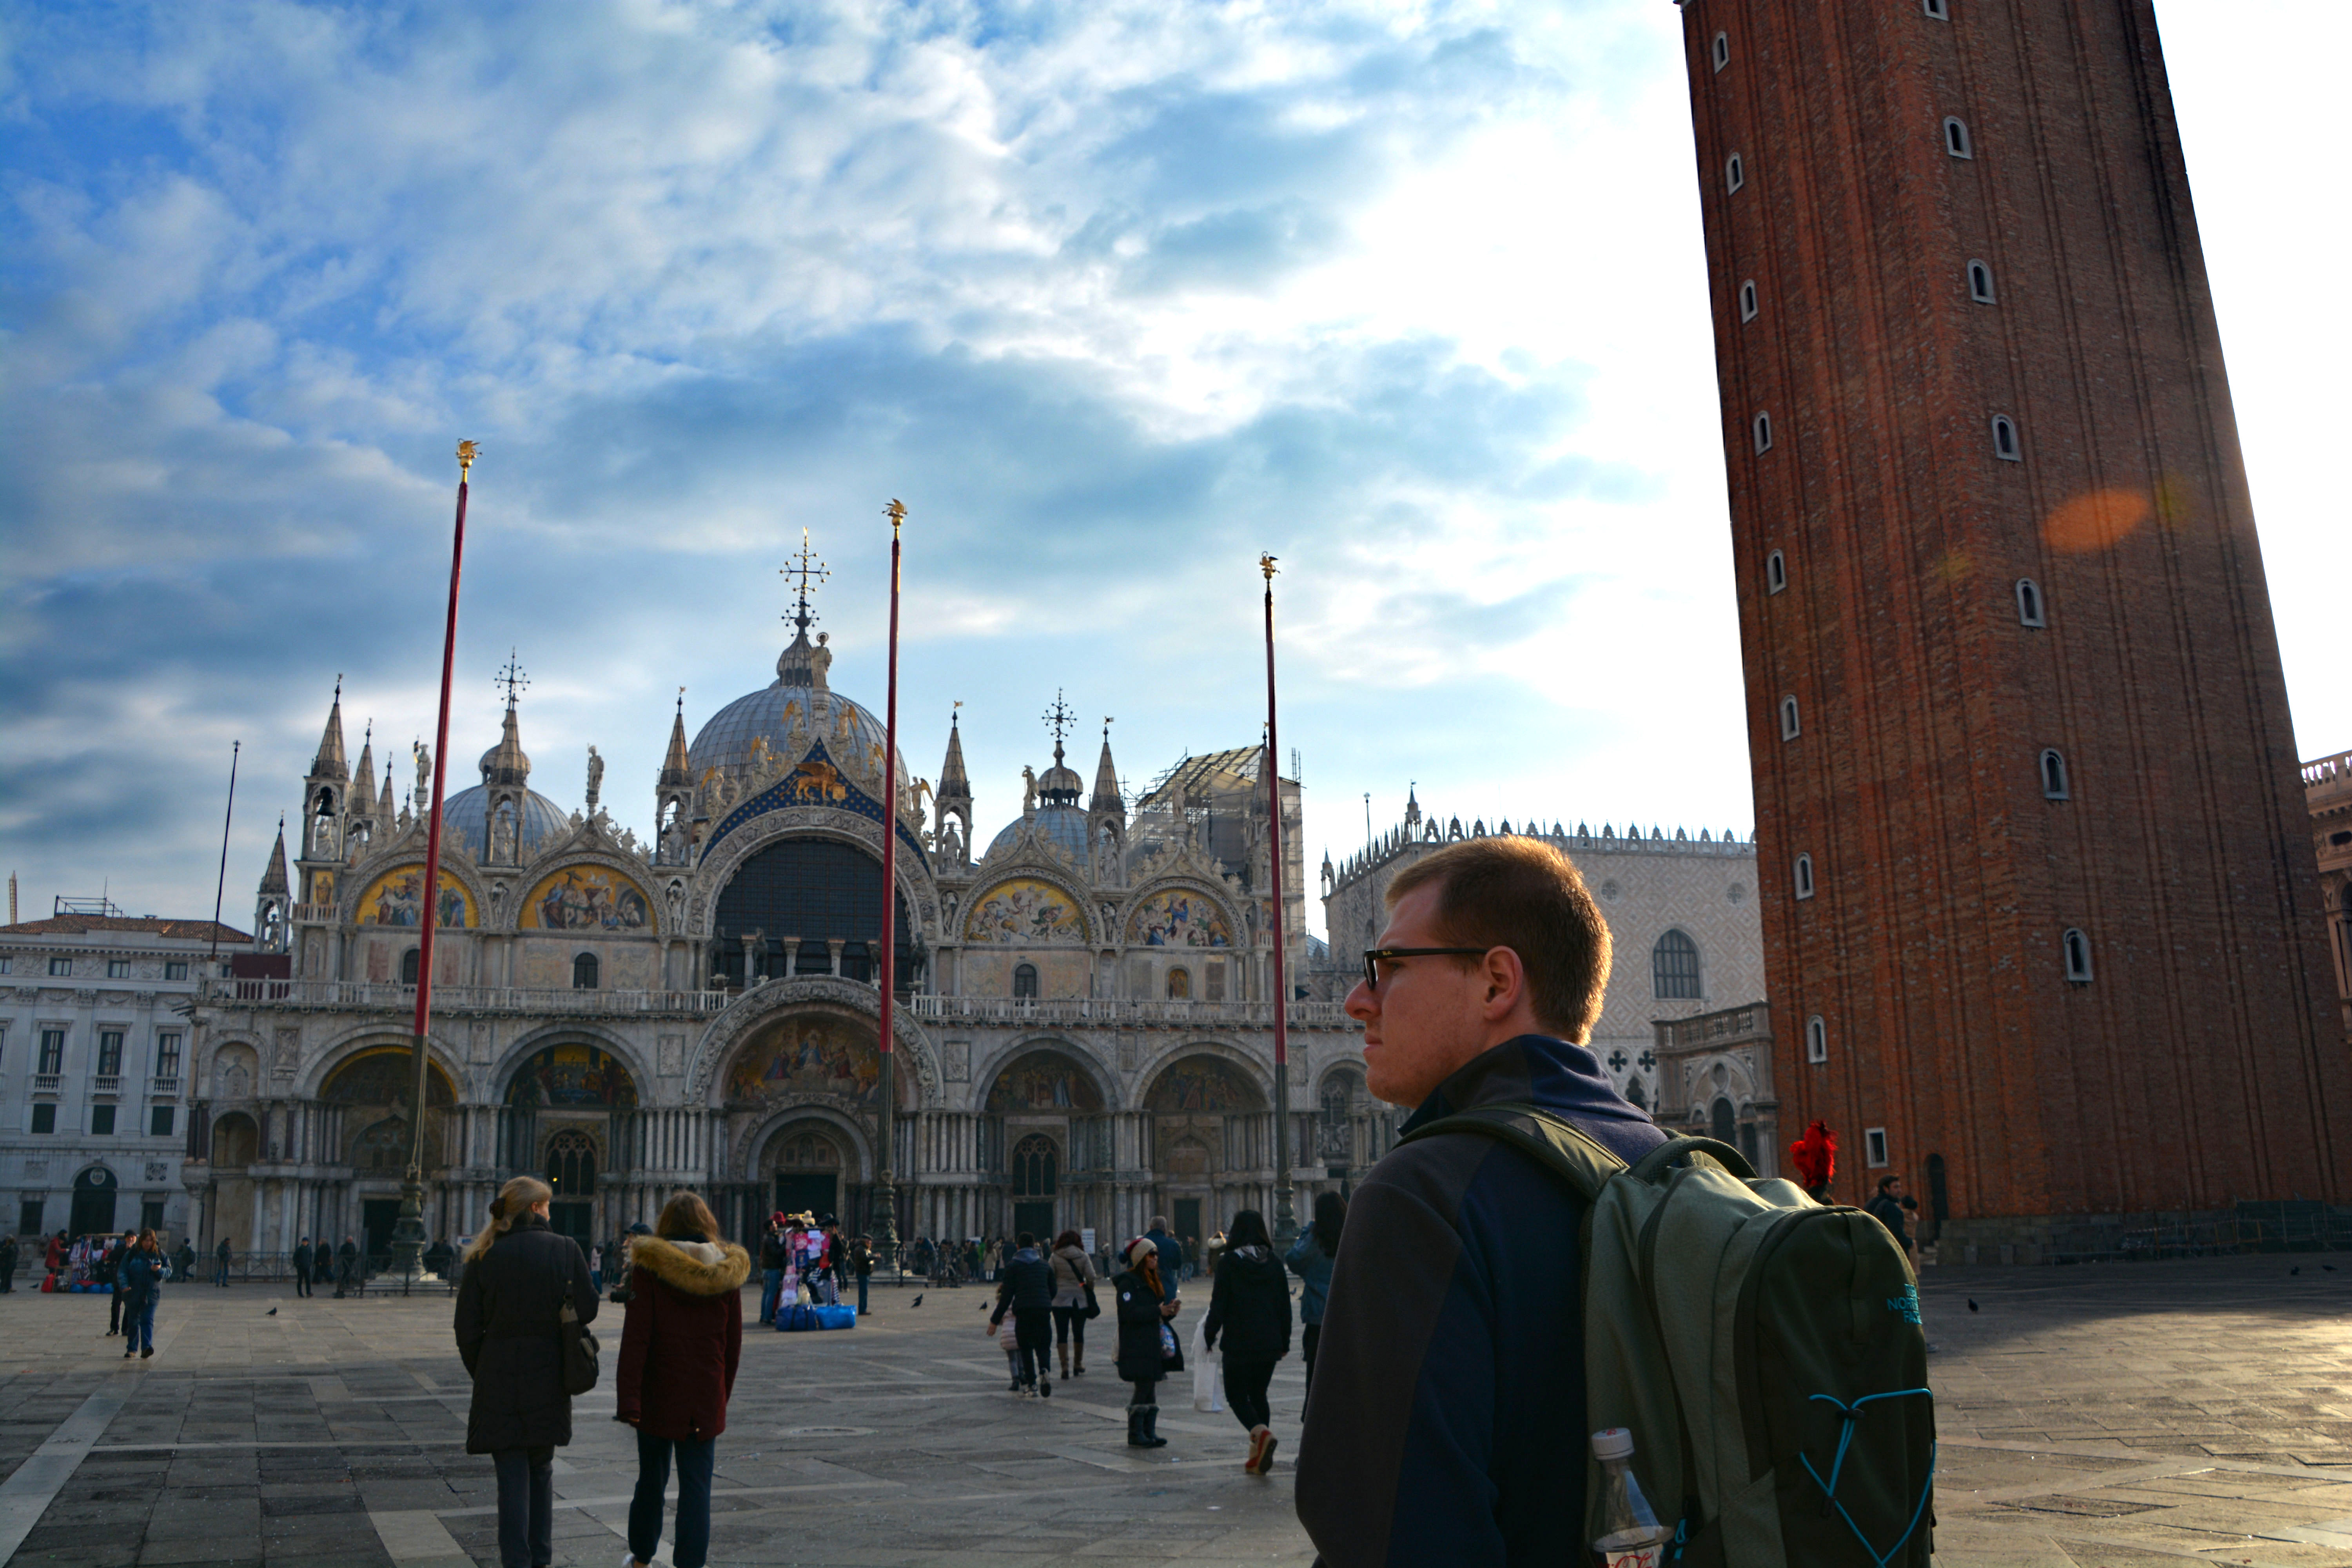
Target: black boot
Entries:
(1135, 1436)
(1152, 1437)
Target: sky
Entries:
(1114, 297)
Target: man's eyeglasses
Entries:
(1376, 956)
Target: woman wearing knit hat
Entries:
(1147, 1346)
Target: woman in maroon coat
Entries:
(679, 1348)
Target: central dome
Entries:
(728, 740)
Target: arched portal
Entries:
(369, 1100)
(1211, 1120)
(94, 1192)
(803, 1164)
(1045, 1110)
(570, 1116)
(810, 1068)
(786, 905)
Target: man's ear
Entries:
(1505, 979)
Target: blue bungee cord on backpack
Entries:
(1852, 1413)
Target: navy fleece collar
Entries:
(1539, 1068)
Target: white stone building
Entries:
(94, 1043)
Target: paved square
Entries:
(2116, 1416)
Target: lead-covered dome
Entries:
(800, 697)
(1064, 826)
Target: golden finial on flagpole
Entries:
(897, 513)
(1265, 564)
(465, 453)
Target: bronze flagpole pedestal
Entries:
(408, 1231)
(1286, 1217)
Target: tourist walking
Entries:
(1026, 1289)
(347, 1267)
(142, 1273)
(302, 1266)
(56, 1256)
(861, 1263)
(1310, 1257)
(519, 1275)
(184, 1260)
(109, 1274)
(1172, 1254)
(221, 1256)
(772, 1264)
(1146, 1345)
(1074, 1278)
(7, 1265)
(1249, 1307)
(680, 1345)
(1449, 1400)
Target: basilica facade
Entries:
(1083, 1037)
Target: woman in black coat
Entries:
(1145, 1354)
(518, 1273)
(1250, 1306)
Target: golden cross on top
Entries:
(808, 569)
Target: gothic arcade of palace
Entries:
(1086, 1037)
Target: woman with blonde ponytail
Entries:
(517, 1274)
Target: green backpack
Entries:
(1765, 1351)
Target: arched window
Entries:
(1735, 173)
(583, 972)
(408, 967)
(1956, 139)
(1763, 432)
(1776, 573)
(1036, 1167)
(1723, 1123)
(1941, 10)
(1025, 981)
(1634, 1094)
(1981, 283)
(1179, 984)
(1817, 1040)
(2028, 602)
(572, 1163)
(1789, 727)
(2053, 777)
(1722, 51)
(2078, 955)
(1748, 300)
(1674, 968)
(2004, 439)
(1805, 876)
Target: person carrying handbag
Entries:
(519, 1278)
(1074, 1301)
(1146, 1345)
(680, 1345)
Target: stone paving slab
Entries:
(2091, 1417)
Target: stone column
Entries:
(835, 945)
(792, 956)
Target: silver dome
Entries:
(726, 741)
(469, 812)
(1063, 826)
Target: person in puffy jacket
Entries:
(519, 1273)
(1026, 1289)
(1310, 1257)
(141, 1273)
(1250, 1307)
(1145, 1354)
(680, 1345)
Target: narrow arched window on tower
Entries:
(1776, 573)
(1979, 282)
(1941, 10)
(408, 967)
(1735, 173)
(2028, 602)
(1674, 968)
(2078, 955)
(1789, 728)
(2004, 439)
(1748, 300)
(2053, 777)
(1722, 51)
(1817, 1040)
(583, 972)
(1956, 139)
(1025, 981)
(1805, 876)
(1763, 432)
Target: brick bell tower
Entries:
(2034, 873)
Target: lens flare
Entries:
(2098, 521)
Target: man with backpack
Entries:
(1446, 1418)
(1888, 1205)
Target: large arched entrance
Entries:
(1047, 1114)
(370, 1097)
(790, 1095)
(569, 1117)
(804, 1163)
(787, 906)
(1212, 1144)
(94, 1192)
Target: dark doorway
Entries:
(802, 1193)
(1187, 1226)
(1036, 1218)
(94, 1192)
(1940, 1197)
(377, 1218)
(575, 1220)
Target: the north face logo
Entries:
(1906, 1303)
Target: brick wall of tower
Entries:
(2199, 1065)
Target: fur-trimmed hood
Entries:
(697, 1268)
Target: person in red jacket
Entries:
(679, 1348)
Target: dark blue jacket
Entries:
(1446, 1419)
(1313, 1266)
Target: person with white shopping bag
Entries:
(1208, 1369)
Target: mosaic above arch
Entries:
(1024, 909)
(586, 898)
(384, 1076)
(815, 1054)
(1203, 1084)
(1179, 917)
(1043, 1081)
(573, 1077)
(396, 899)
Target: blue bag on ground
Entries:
(792, 1317)
(834, 1317)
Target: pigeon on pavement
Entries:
(273, 1312)
(915, 1303)
(1972, 1303)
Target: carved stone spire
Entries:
(329, 762)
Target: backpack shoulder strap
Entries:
(1552, 1140)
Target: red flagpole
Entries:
(885, 1195)
(408, 1231)
(1286, 1220)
